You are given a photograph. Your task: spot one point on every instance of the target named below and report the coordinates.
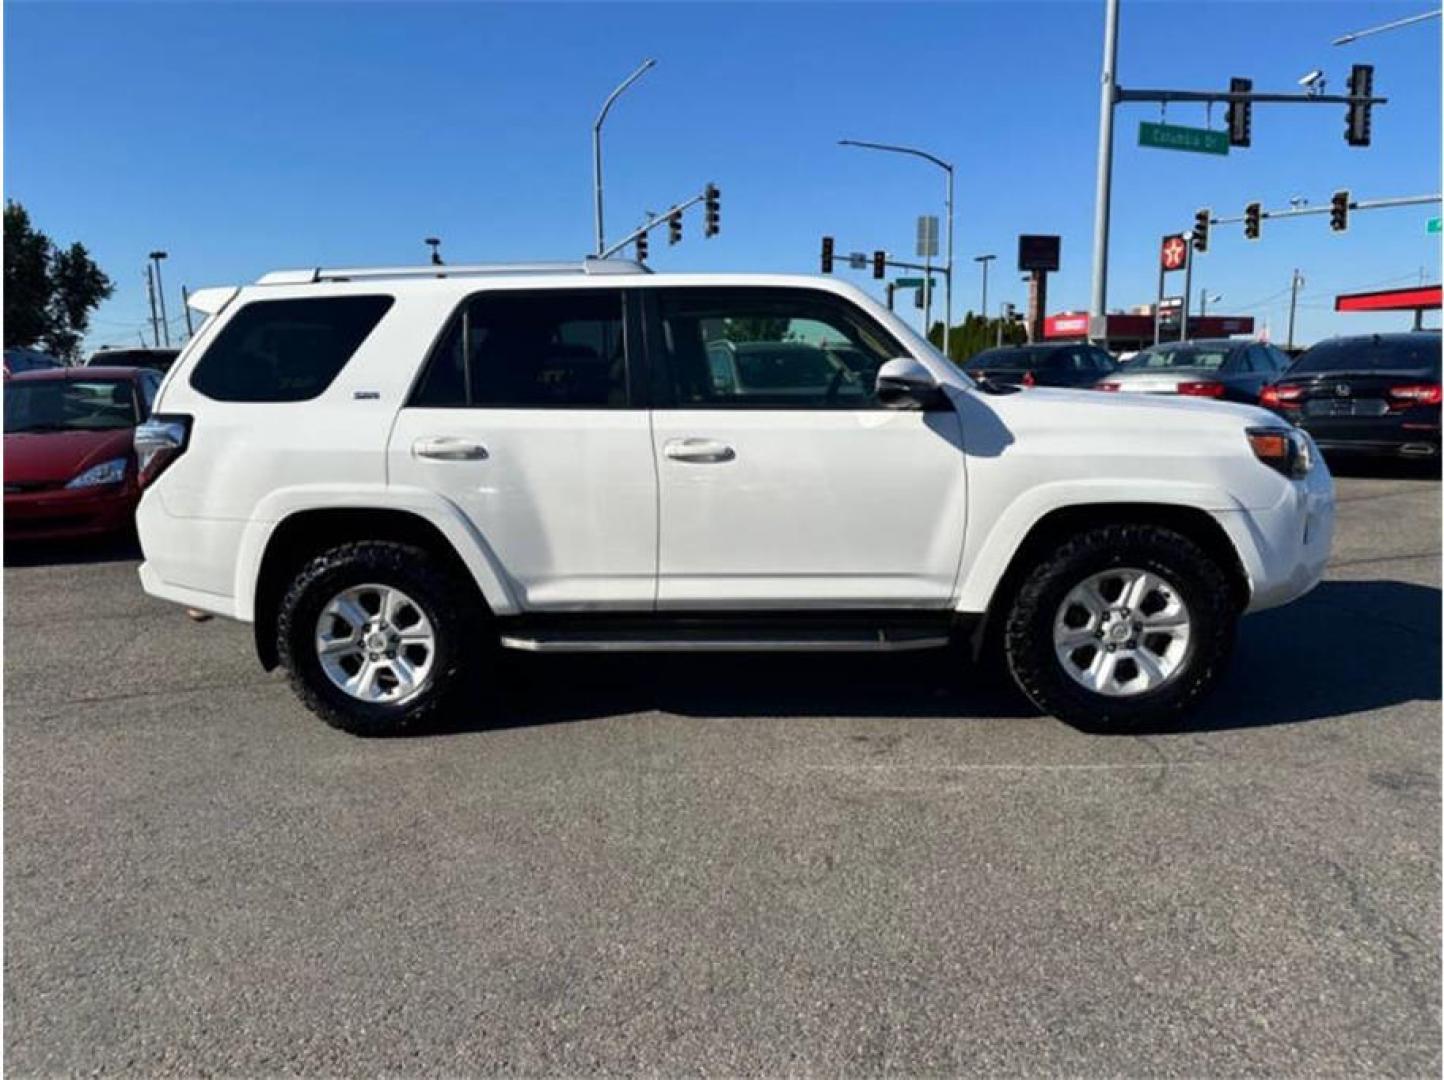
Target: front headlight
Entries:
(107, 472)
(1287, 450)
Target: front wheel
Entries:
(376, 637)
(1123, 625)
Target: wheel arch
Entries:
(305, 533)
(1197, 524)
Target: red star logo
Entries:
(1174, 250)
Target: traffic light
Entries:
(1240, 113)
(827, 254)
(879, 264)
(642, 247)
(712, 211)
(1201, 219)
(1361, 85)
(1252, 217)
(674, 227)
(1339, 211)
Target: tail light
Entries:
(1201, 389)
(1028, 379)
(158, 442)
(1115, 387)
(1402, 397)
(1281, 397)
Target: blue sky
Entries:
(246, 137)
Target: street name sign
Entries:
(1175, 137)
(910, 282)
(1432, 225)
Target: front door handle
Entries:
(701, 451)
(446, 448)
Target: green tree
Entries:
(49, 291)
(974, 334)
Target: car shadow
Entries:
(121, 547)
(1347, 647)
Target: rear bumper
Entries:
(63, 514)
(1407, 434)
(188, 561)
(1285, 548)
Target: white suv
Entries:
(391, 472)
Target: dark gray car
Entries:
(1223, 368)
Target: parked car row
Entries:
(1367, 394)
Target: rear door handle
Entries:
(447, 448)
(701, 451)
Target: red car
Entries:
(69, 463)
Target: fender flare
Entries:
(442, 514)
(987, 558)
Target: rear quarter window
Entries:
(286, 350)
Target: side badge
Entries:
(367, 395)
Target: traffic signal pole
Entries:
(1107, 98)
(1111, 95)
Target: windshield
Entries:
(1370, 354)
(1207, 357)
(69, 405)
(1005, 360)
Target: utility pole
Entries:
(157, 256)
(1294, 287)
(984, 259)
(948, 198)
(597, 146)
(150, 293)
(1203, 299)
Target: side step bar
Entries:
(727, 635)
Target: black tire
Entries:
(1202, 584)
(450, 605)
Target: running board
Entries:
(691, 637)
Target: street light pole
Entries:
(948, 198)
(597, 146)
(984, 259)
(1106, 100)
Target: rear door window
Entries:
(286, 350)
(549, 349)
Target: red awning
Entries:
(1423, 298)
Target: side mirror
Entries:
(904, 383)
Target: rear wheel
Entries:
(1122, 626)
(376, 637)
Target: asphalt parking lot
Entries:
(728, 865)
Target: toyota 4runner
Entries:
(393, 472)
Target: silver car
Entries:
(1223, 368)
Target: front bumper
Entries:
(1285, 547)
(61, 513)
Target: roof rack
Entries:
(589, 266)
